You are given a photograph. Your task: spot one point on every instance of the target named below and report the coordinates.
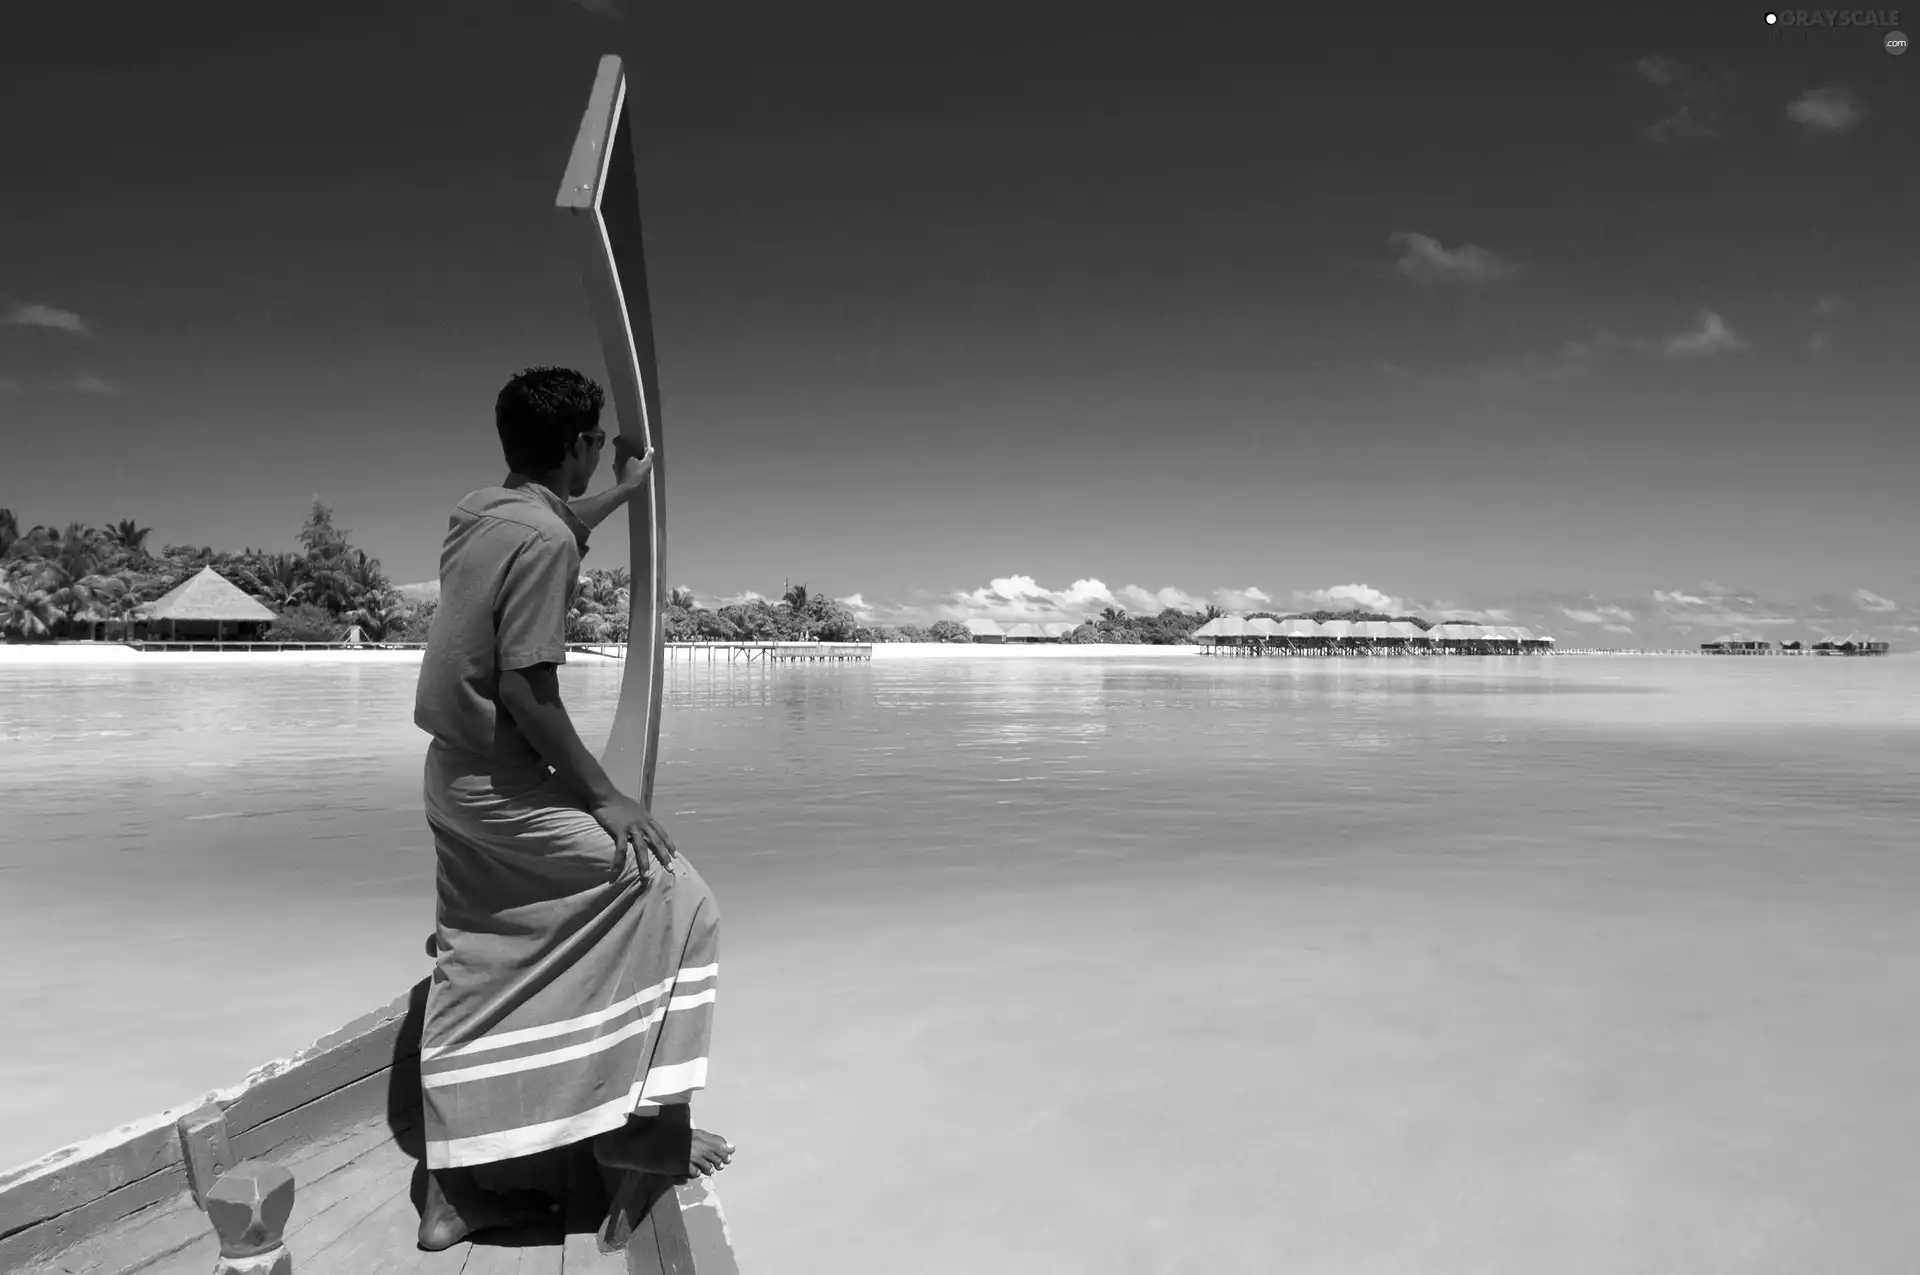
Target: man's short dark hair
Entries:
(539, 414)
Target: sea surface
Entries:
(1103, 965)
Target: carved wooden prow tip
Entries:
(249, 1207)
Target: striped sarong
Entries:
(567, 994)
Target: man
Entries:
(576, 951)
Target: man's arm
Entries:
(532, 695)
(630, 475)
(593, 510)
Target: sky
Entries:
(1601, 326)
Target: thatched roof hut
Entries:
(985, 631)
(205, 596)
(1026, 633)
(205, 603)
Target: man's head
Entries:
(549, 423)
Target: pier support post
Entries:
(249, 1207)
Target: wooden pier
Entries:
(769, 652)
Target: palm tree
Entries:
(681, 597)
(378, 615)
(1210, 613)
(9, 530)
(129, 536)
(23, 607)
(89, 600)
(279, 580)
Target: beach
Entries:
(1092, 964)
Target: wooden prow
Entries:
(599, 203)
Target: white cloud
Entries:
(1867, 600)
(1140, 601)
(1022, 598)
(1658, 70)
(1426, 260)
(1716, 607)
(1684, 125)
(1828, 111)
(1695, 98)
(1247, 599)
(1618, 628)
(740, 599)
(1709, 335)
(856, 604)
(1598, 615)
(88, 383)
(1348, 597)
(46, 316)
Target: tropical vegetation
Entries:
(79, 581)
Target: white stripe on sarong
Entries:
(568, 1053)
(502, 1040)
(484, 1148)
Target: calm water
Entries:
(1573, 965)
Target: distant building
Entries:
(986, 631)
(1852, 644)
(1737, 646)
(203, 607)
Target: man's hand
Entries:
(630, 824)
(630, 470)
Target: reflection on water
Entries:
(1576, 964)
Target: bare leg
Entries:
(456, 1208)
(666, 1144)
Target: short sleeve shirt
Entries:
(508, 571)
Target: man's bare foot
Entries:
(662, 1145)
(456, 1209)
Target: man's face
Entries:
(586, 457)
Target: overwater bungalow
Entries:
(1737, 646)
(1852, 644)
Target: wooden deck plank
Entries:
(149, 1239)
(582, 1256)
(351, 1197)
(503, 1259)
(377, 1236)
(334, 1198)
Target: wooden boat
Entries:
(315, 1162)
